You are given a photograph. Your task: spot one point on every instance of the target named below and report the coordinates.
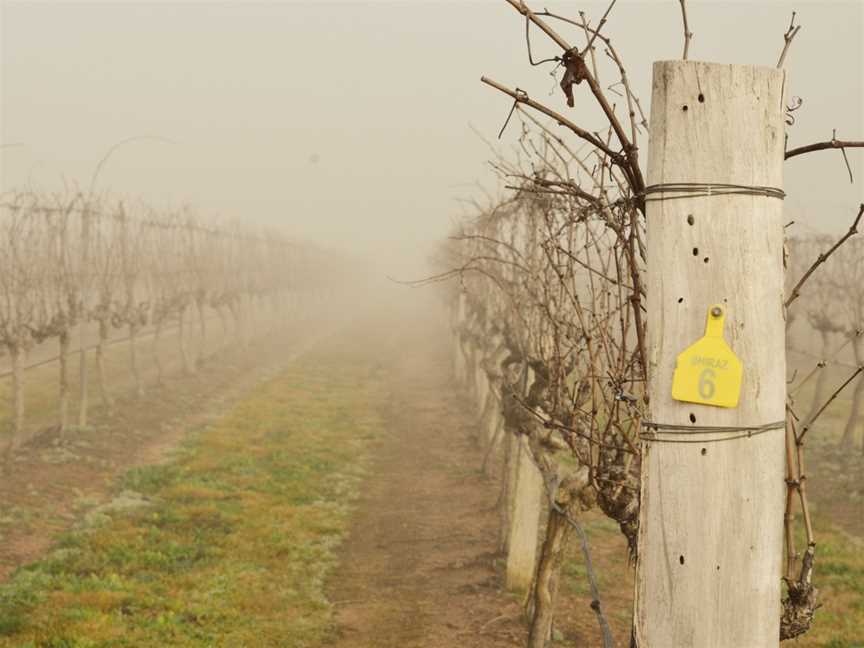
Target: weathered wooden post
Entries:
(711, 518)
(524, 522)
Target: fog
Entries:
(284, 361)
(360, 125)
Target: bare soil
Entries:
(419, 565)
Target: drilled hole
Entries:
(705, 259)
(701, 98)
(690, 219)
(684, 108)
(692, 417)
(680, 299)
(704, 451)
(681, 559)
(718, 567)
(695, 251)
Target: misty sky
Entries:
(351, 123)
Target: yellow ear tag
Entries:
(708, 372)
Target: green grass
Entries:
(236, 541)
(838, 575)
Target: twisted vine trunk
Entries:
(65, 340)
(100, 363)
(544, 591)
(83, 376)
(188, 368)
(157, 358)
(17, 396)
(202, 331)
(133, 359)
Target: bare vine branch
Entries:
(688, 35)
(787, 40)
(823, 257)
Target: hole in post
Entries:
(695, 251)
(704, 451)
(701, 98)
(680, 299)
(684, 108)
(705, 260)
(690, 219)
(692, 417)
(681, 559)
(718, 567)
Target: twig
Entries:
(822, 146)
(523, 9)
(599, 27)
(572, 60)
(830, 400)
(688, 35)
(823, 362)
(787, 38)
(520, 96)
(853, 229)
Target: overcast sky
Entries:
(350, 123)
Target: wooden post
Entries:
(711, 517)
(524, 524)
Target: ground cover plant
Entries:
(227, 545)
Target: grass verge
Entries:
(228, 545)
(838, 574)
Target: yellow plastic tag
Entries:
(708, 372)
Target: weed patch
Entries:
(233, 540)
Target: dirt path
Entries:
(419, 567)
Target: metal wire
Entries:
(669, 429)
(708, 189)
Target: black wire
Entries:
(528, 43)
(685, 430)
(708, 189)
(522, 95)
